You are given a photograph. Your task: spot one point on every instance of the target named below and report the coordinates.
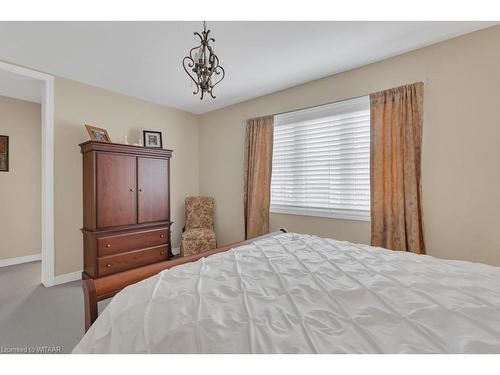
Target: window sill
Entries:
(327, 215)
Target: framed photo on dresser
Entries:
(152, 139)
(98, 134)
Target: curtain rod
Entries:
(304, 108)
(319, 105)
(425, 81)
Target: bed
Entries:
(297, 293)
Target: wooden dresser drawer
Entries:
(117, 263)
(121, 243)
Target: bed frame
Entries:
(95, 290)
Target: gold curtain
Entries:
(396, 145)
(258, 164)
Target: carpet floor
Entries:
(34, 316)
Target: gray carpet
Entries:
(34, 316)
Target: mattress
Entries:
(295, 293)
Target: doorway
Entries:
(46, 97)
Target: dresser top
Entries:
(124, 149)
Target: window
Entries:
(321, 161)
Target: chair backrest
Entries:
(199, 212)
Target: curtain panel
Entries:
(395, 168)
(258, 166)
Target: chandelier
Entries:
(204, 65)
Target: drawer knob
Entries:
(162, 252)
(108, 265)
(132, 190)
(108, 245)
(162, 236)
(140, 190)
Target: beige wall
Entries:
(20, 188)
(77, 104)
(461, 146)
(461, 151)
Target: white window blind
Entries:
(321, 161)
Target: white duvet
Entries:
(295, 293)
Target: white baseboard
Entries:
(67, 277)
(19, 260)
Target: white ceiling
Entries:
(20, 87)
(143, 59)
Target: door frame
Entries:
(47, 106)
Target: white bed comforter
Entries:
(297, 293)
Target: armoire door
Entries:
(116, 190)
(152, 181)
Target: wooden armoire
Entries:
(126, 207)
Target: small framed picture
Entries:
(152, 139)
(98, 134)
(4, 153)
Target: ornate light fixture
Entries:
(204, 64)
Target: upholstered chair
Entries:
(199, 234)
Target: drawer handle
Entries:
(162, 252)
(132, 190)
(108, 245)
(162, 236)
(140, 190)
(108, 265)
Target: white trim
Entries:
(18, 260)
(16, 69)
(67, 277)
(48, 276)
(329, 215)
(48, 272)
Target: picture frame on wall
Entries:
(152, 139)
(4, 153)
(98, 134)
